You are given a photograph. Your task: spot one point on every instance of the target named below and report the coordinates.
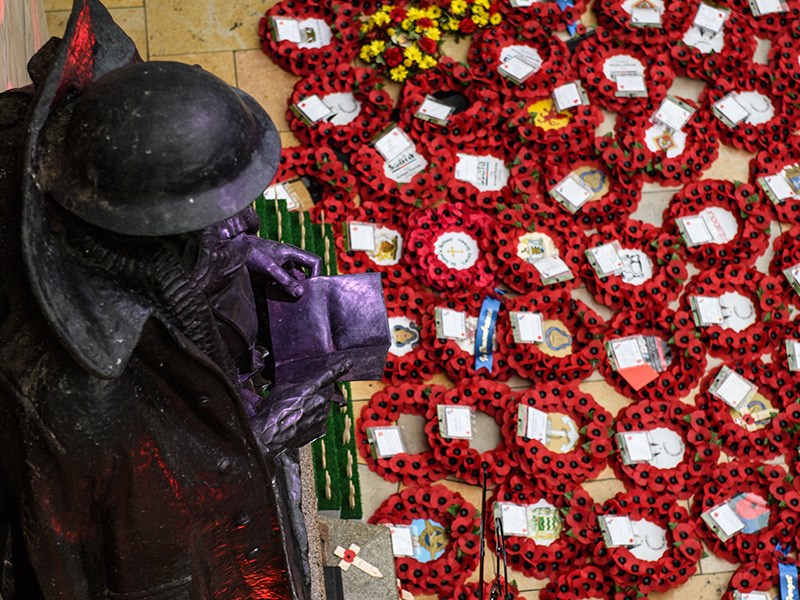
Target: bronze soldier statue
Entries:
(138, 456)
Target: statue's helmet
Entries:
(159, 148)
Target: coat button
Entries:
(224, 466)
(253, 553)
(241, 520)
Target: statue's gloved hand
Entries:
(275, 260)
(294, 414)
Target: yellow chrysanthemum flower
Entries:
(381, 18)
(399, 73)
(433, 12)
(377, 47)
(434, 33)
(452, 25)
(413, 53)
(482, 3)
(366, 28)
(391, 31)
(479, 20)
(427, 62)
(458, 7)
(495, 19)
(364, 54)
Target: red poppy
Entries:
(393, 56)
(467, 26)
(427, 44)
(398, 15)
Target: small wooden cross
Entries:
(350, 557)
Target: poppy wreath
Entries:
(738, 48)
(455, 455)
(614, 16)
(615, 194)
(739, 200)
(420, 192)
(688, 353)
(779, 355)
(405, 306)
(546, 361)
(561, 471)
(698, 459)
(457, 357)
(496, 147)
(643, 242)
(543, 15)
(449, 76)
(341, 17)
(779, 157)
(469, 591)
(752, 577)
(663, 157)
(538, 122)
(383, 410)
(587, 582)
(771, 439)
(517, 238)
(736, 477)
(683, 548)
(777, 115)
(334, 182)
(770, 25)
(786, 254)
(388, 258)
(524, 554)
(763, 292)
(784, 55)
(593, 56)
(526, 181)
(372, 107)
(460, 521)
(486, 52)
(450, 228)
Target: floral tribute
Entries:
(528, 140)
(402, 40)
(669, 551)
(459, 520)
(582, 446)
(685, 451)
(384, 409)
(456, 455)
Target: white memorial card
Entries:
(630, 84)
(361, 236)
(532, 423)
(780, 186)
(551, 267)
(402, 540)
(708, 310)
(617, 530)
(455, 421)
(569, 95)
(387, 441)
(514, 518)
(451, 324)
(729, 110)
(634, 447)
(645, 15)
(572, 192)
(527, 327)
(673, 114)
(710, 18)
(723, 521)
(393, 144)
(793, 354)
(627, 352)
(733, 389)
(433, 110)
(313, 109)
(487, 173)
(768, 7)
(605, 259)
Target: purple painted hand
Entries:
(294, 414)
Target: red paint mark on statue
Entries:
(79, 65)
